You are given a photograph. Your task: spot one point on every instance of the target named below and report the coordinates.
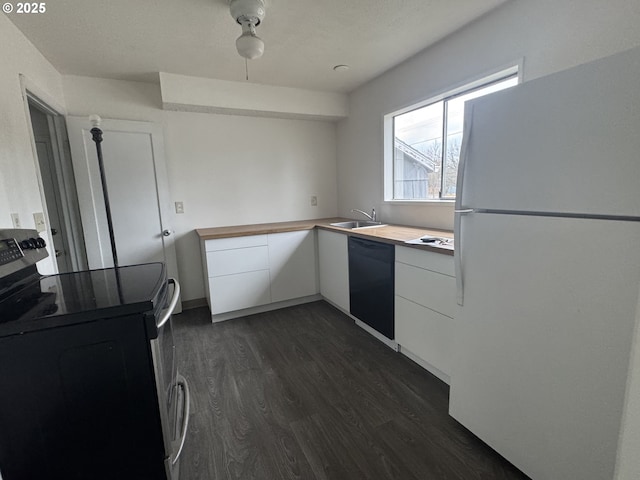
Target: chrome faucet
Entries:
(371, 217)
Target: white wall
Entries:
(233, 170)
(227, 169)
(19, 188)
(550, 35)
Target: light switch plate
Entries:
(179, 207)
(314, 201)
(38, 219)
(15, 219)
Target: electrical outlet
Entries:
(314, 201)
(179, 207)
(38, 219)
(15, 218)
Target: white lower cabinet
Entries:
(424, 308)
(229, 262)
(333, 261)
(258, 270)
(292, 265)
(237, 273)
(430, 289)
(239, 291)
(425, 333)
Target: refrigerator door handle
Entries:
(462, 163)
(460, 210)
(457, 253)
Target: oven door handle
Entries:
(182, 382)
(172, 304)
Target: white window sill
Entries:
(430, 203)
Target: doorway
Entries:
(58, 186)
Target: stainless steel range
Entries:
(89, 387)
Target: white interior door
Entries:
(138, 191)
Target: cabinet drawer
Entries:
(425, 333)
(424, 287)
(234, 242)
(228, 262)
(436, 262)
(242, 290)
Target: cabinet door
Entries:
(292, 264)
(242, 290)
(425, 333)
(334, 268)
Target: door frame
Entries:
(34, 96)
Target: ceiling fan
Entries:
(249, 14)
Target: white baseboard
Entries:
(221, 317)
(426, 365)
(190, 304)
(392, 344)
(335, 305)
(389, 343)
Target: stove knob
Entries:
(40, 243)
(25, 245)
(32, 243)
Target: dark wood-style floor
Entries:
(303, 393)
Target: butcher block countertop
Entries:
(395, 234)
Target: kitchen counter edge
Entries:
(394, 234)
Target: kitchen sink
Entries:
(352, 224)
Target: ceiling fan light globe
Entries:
(250, 46)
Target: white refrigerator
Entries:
(548, 267)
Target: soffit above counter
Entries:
(204, 95)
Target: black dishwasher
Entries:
(371, 283)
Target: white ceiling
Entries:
(135, 39)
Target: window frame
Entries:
(485, 80)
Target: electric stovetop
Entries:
(70, 298)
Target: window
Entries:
(423, 142)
